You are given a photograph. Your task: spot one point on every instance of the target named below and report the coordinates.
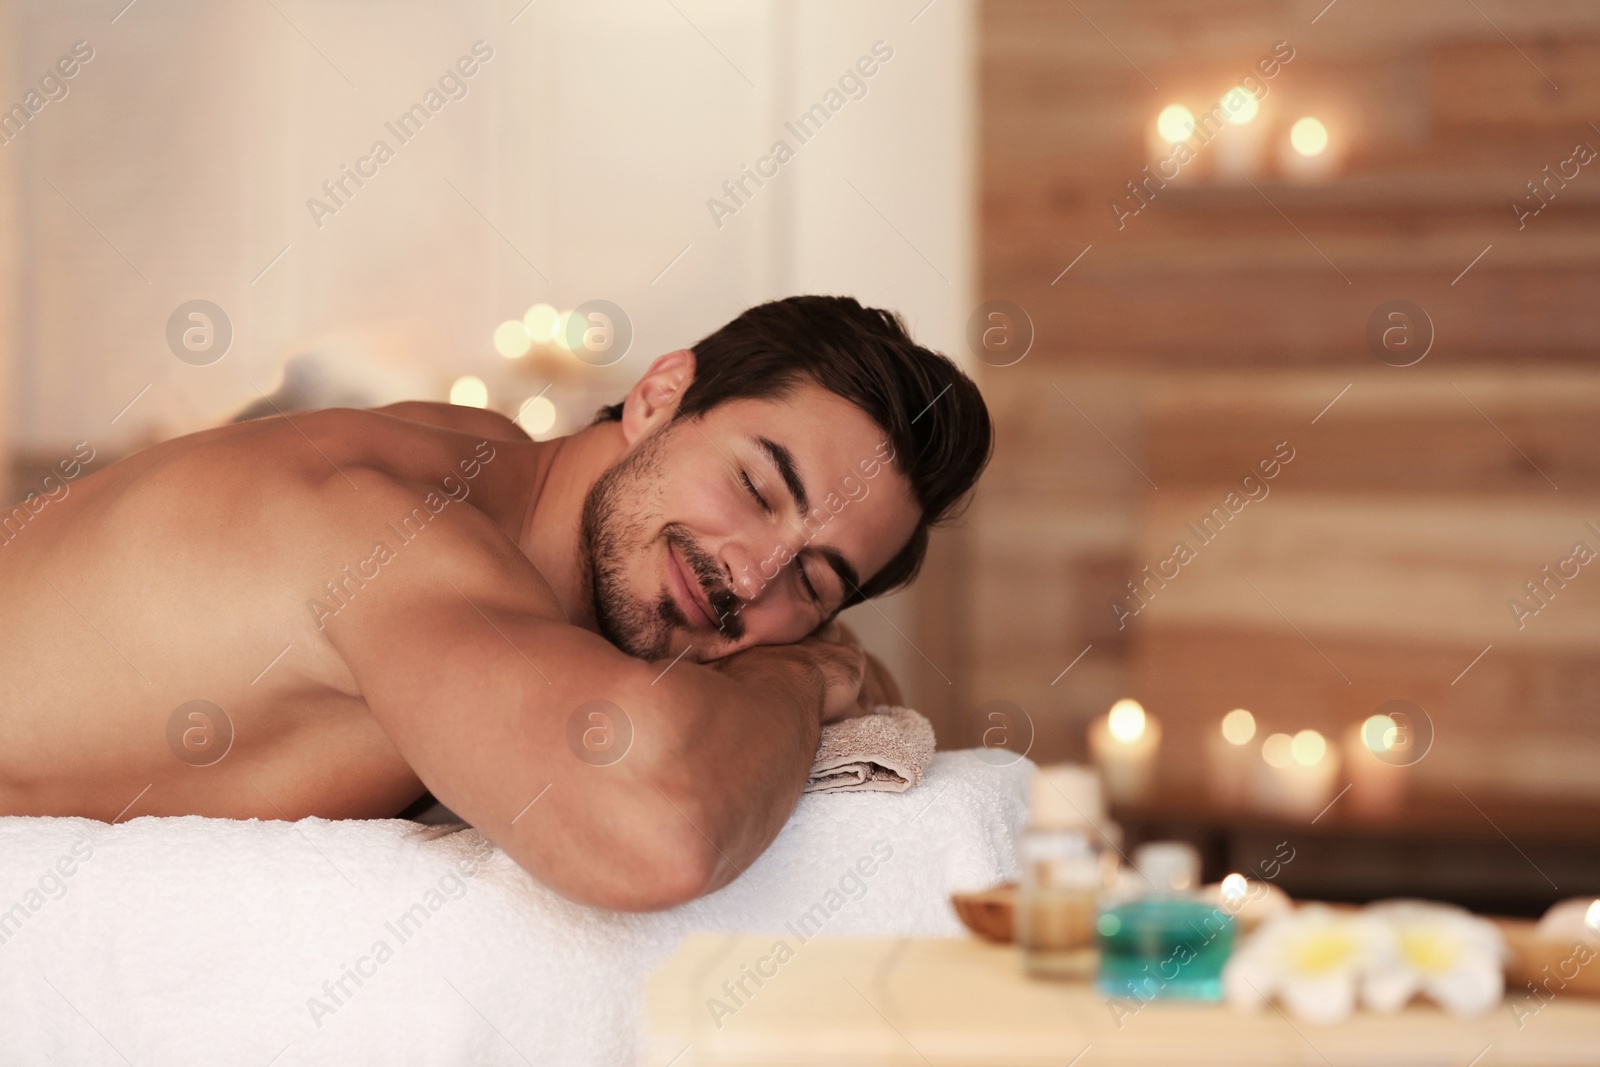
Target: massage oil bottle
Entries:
(1164, 942)
(1065, 867)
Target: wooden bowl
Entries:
(1538, 959)
(991, 914)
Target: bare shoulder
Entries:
(432, 606)
(427, 537)
(455, 417)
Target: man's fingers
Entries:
(879, 686)
(855, 711)
(844, 666)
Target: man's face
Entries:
(748, 526)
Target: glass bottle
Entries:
(1164, 942)
(1065, 868)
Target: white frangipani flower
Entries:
(1445, 952)
(1312, 959)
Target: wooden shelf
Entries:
(1440, 817)
(1375, 194)
(1501, 857)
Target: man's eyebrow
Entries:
(783, 459)
(841, 567)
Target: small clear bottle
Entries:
(1065, 868)
(1164, 942)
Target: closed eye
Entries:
(805, 579)
(745, 477)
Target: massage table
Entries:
(250, 943)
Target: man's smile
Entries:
(687, 591)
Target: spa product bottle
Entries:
(1065, 868)
(1165, 942)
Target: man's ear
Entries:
(653, 400)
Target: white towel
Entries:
(208, 941)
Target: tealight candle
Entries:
(1171, 151)
(1124, 742)
(1296, 774)
(1230, 759)
(1309, 153)
(1377, 786)
(1249, 901)
(1239, 146)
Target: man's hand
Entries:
(852, 680)
(875, 685)
(831, 659)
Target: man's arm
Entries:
(459, 651)
(878, 686)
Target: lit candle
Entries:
(1309, 153)
(1124, 742)
(469, 391)
(1230, 760)
(1171, 148)
(542, 323)
(1250, 902)
(1571, 920)
(1296, 774)
(1238, 149)
(1377, 783)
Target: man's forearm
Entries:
(751, 742)
(752, 750)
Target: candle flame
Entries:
(1308, 136)
(1240, 104)
(470, 392)
(511, 339)
(542, 322)
(1126, 721)
(1238, 727)
(1175, 123)
(1308, 748)
(1380, 734)
(537, 415)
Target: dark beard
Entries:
(641, 628)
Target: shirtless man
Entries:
(377, 604)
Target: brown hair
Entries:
(932, 413)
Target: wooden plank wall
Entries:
(10, 327)
(1223, 318)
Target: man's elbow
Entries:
(652, 838)
(686, 871)
(668, 870)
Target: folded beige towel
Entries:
(887, 751)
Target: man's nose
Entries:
(743, 564)
(756, 560)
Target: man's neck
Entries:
(565, 469)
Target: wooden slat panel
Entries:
(1519, 722)
(1407, 520)
(1415, 430)
(1413, 569)
(1487, 84)
(1304, 316)
(1157, 29)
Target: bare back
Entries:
(161, 643)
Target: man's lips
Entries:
(688, 593)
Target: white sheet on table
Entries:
(206, 941)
